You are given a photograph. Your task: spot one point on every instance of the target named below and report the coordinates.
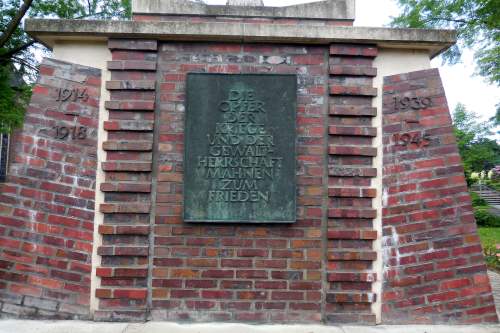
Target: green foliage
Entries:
(478, 152)
(490, 237)
(485, 218)
(17, 59)
(477, 201)
(477, 23)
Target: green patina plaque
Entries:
(240, 148)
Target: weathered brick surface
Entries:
(47, 204)
(434, 271)
(243, 273)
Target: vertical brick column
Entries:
(47, 203)
(433, 263)
(350, 212)
(123, 290)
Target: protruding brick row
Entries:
(353, 91)
(352, 277)
(337, 70)
(350, 152)
(127, 145)
(125, 207)
(352, 234)
(136, 251)
(131, 85)
(132, 65)
(129, 272)
(352, 192)
(335, 171)
(351, 298)
(131, 105)
(127, 166)
(126, 187)
(353, 111)
(122, 293)
(352, 256)
(133, 126)
(124, 229)
(133, 44)
(354, 50)
(352, 131)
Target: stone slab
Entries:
(329, 9)
(48, 31)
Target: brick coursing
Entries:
(350, 295)
(47, 203)
(434, 270)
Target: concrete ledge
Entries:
(26, 326)
(49, 31)
(326, 10)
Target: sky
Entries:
(459, 81)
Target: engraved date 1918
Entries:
(75, 132)
(408, 139)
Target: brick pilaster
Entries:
(351, 233)
(123, 290)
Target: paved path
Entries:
(26, 326)
(495, 284)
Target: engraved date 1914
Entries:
(74, 95)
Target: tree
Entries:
(18, 65)
(477, 23)
(477, 150)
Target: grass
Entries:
(490, 237)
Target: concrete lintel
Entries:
(49, 31)
(326, 10)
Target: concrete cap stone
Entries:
(322, 10)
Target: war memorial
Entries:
(239, 164)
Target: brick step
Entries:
(127, 166)
(336, 171)
(352, 213)
(352, 256)
(121, 293)
(132, 105)
(352, 131)
(352, 151)
(139, 187)
(131, 85)
(126, 208)
(129, 125)
(339, 70)
(351, 298)
(106, 229)
(353, 234)
(352, 111)
(352, 192)
(353, 91)
(121, 272)
(135, 251)
(127, 146)
(351, 277)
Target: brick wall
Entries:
(434, 267)
(242, 273)
(47, 204)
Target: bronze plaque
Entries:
(240, 138)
